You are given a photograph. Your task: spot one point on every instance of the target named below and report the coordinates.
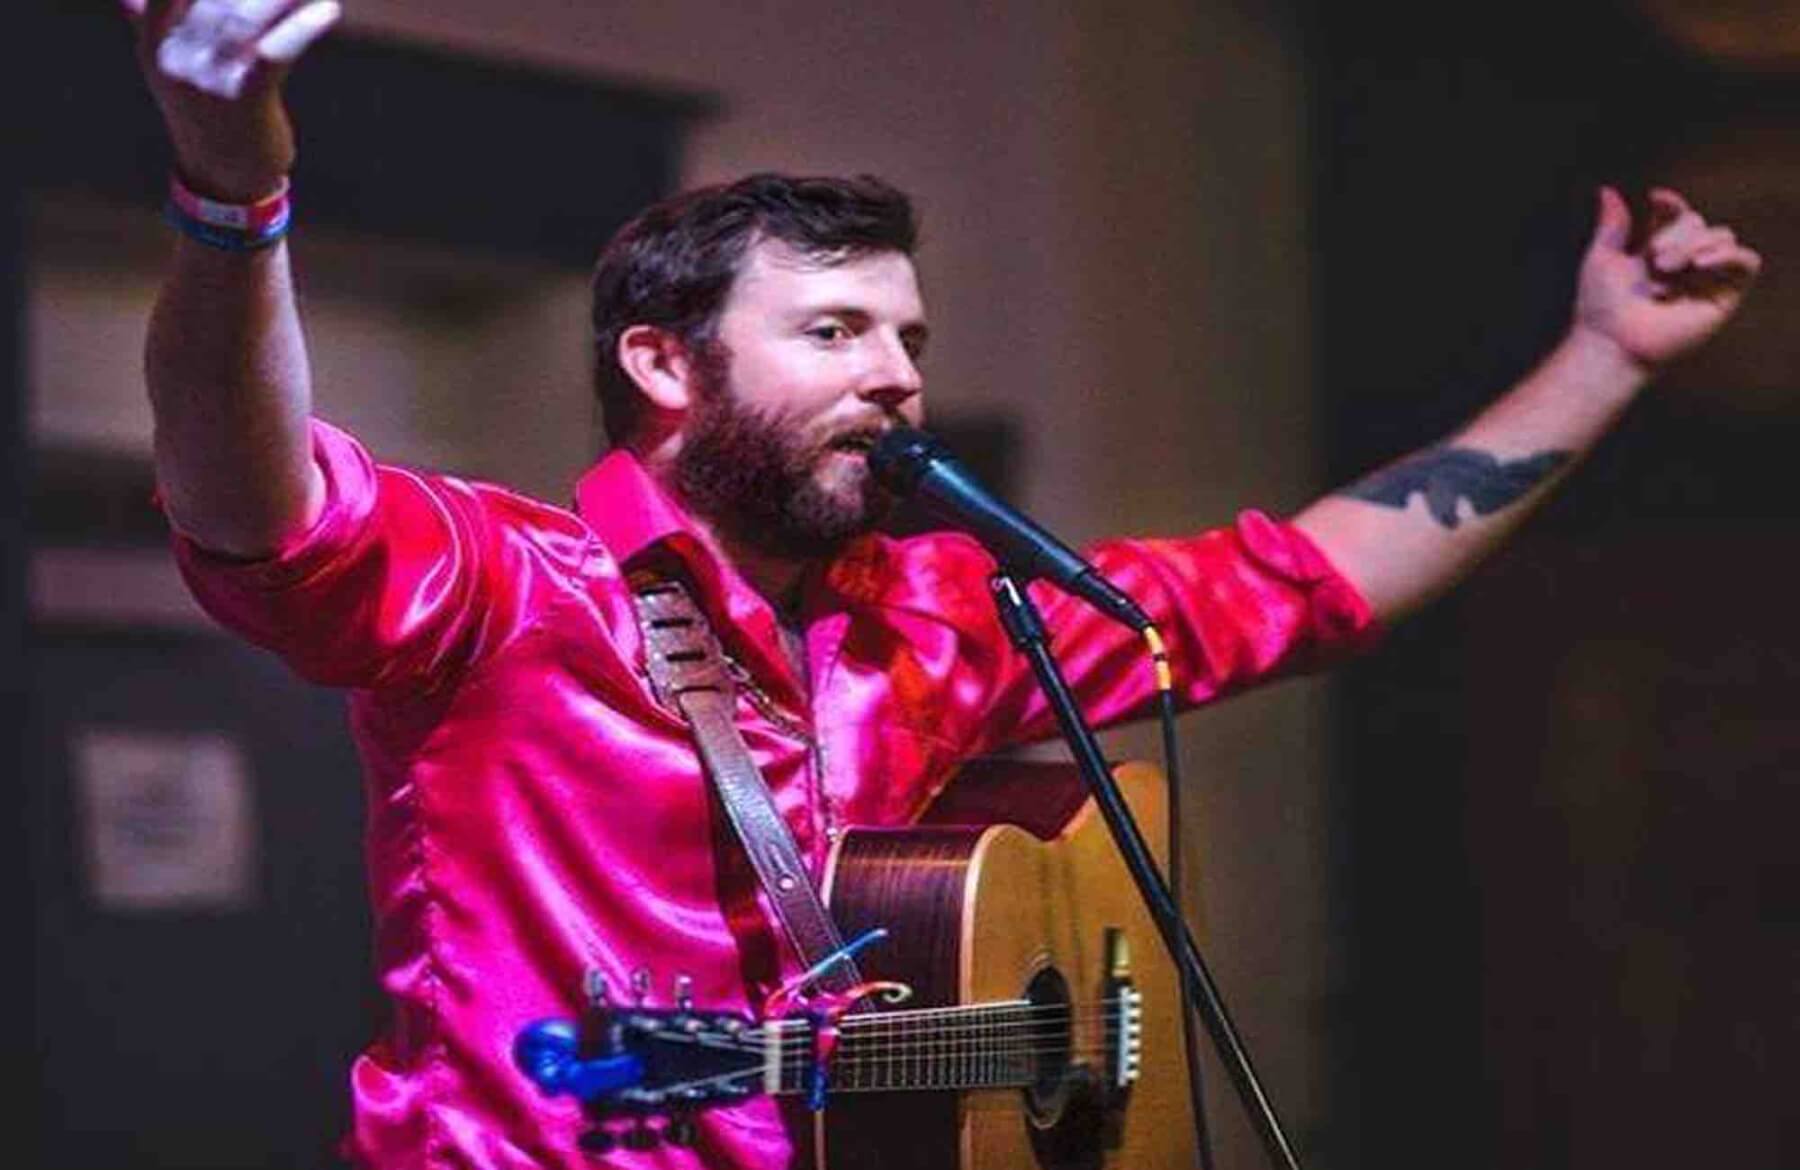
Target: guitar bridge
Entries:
(1128, 1057)
(1125, 1014)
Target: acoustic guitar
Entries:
(1042, 1028)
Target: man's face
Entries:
(812, 361)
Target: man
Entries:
(534, 811)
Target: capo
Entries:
(802, 997)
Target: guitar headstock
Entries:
(630, 1065)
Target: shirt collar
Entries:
(627, 509)
(622, 504)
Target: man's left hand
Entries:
(1658, 301)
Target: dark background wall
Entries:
(1572, 912)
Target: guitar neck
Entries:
(976, 1046)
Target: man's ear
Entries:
(660, 365)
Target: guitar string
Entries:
(801, 1057)
(899, 1076)
(964, 1009)
(872, 1028)
(961, 1043)
(1035, 1045)
(889, 1057)
(964, 1040)
(1048, 1040)
(995, 1079)
(1005, 1010)
(1007, 1080)
(1022, 1042)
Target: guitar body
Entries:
(982, 912)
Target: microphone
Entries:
(911, 463)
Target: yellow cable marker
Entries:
(1159, 658)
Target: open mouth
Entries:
(856, 442)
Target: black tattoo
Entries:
(1445, 476)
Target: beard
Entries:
(762, 483)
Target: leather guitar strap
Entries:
(689, 674)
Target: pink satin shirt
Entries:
(533, 813)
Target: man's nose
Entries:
(894, 379)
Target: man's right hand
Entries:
(215, 68)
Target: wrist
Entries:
(228, 226)
(1599, 361)
(246, 187)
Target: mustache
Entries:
(861, 436)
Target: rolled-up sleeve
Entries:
(1239, 605)
(387, 586)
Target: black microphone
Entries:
(914, 464)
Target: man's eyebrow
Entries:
(834, 309)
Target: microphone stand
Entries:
(1025, 626)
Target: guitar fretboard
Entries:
(988, 1045)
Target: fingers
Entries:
(1612, 225)
(216, 45)
(284, 43)
(1695, 257)
(1672, 245)
(1734, 257)
(212, 46)
(150, 20)
(1667, 204)
(1676, 246)
(1724, 267)
(1681, 234)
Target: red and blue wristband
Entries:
(233, 227)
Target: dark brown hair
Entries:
(674, 264)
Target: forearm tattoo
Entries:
(1445, 476)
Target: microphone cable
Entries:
(1165, 709)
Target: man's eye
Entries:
(830, 331)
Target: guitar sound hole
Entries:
(1047, 1094)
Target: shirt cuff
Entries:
(1342, 617)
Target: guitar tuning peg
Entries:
(684, 992)
(640, 985)
(594, 987)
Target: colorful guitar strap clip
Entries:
(800, 996)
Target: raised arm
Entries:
(1409, 531)
(226, 362)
